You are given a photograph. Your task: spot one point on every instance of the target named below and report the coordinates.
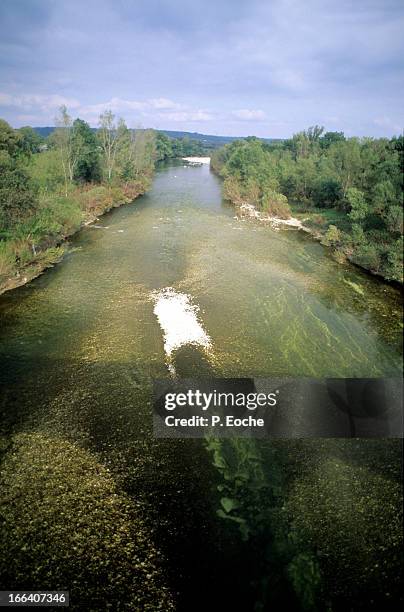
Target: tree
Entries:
(135, 152)
(359, 207)
(10, 140)
(31, 141)
(18, 197)
(108, 134)
(68, 145)
(85, 146)
(164, 147)
(327, 192)
(330, 138)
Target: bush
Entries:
(232, 190)
(332, 236)
(276, 205)
(7, 259)
(394, 266)
(95, 198)
(368, 256)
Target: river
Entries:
(81, 344)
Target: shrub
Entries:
(95, 198)
(276, 205)
(231, 190)
(368, 256)
(332, 236)
(7, 259)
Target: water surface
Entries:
(81, 344)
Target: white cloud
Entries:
(387, 124)
(246, 114)
(116, 105)
(164, 104)
(38, 101)
(183, 116)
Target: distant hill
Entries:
(44, 131)
(209, 140)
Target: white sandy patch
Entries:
(248, 210)
(197, 160)
(178, 319)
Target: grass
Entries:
(321, 218)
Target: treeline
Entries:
(171, 148)
(48, 188)
(348, 189)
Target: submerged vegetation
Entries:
(48, 189)
(64, 523)
(348, 190)
(322, 518)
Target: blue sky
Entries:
(229, 67)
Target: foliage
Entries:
(326, 514)
(88, 166)
(18, 195)
(31, 141)
(359, 181)
(168, 148)
(46, 193)
(250, 176)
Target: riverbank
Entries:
(320, 226)
(93, 202)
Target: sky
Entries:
(267, 68)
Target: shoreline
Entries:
(249, 211)
(55, 251)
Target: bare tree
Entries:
(68, 143)
(109, 137)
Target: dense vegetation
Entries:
(169, 148)
(49, 188)
(350, 190)
(207, 141)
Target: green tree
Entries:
(164, 147)
(330, 138)
(87, 168)
(31, 141)
(357, 202)
(18, 195)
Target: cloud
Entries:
(171, 62)
(37, 101)
(185, 116)
(165, 104)
(387, 124)
(246, 114)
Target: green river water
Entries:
(81, 344)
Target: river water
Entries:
(81, 344)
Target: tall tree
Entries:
(108, 134)
(68, 144)
(18, 195)
(84, 143)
